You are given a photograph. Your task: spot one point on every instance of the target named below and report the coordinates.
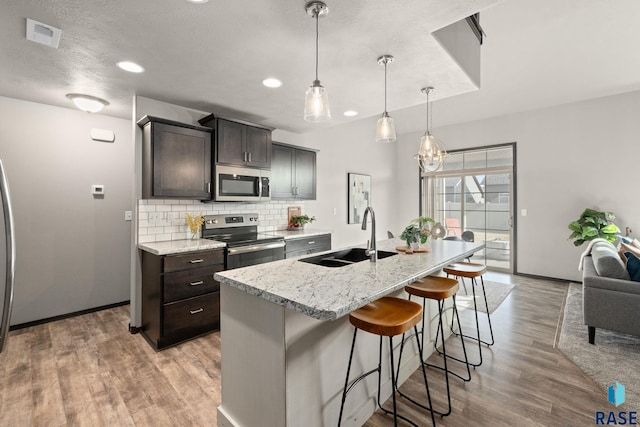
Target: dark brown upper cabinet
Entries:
(293, 173)
(240, 144)
(176, 160)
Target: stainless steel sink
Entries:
(344, 257)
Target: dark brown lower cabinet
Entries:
(307, 245)
(180, 297)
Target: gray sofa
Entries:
(610, 299)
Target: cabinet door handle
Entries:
(311, 242)
(208, 187)
(199, 282)
(249, 156)
(196, 261)
(200, 310)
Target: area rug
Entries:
(614, 357)
(496, 293)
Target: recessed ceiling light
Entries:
(350, 113)
(129, 66)
(88, 103)
(272, 82)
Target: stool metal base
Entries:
(348, 386)
(477, 338)
(445, 368)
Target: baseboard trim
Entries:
(66, 316)
(535, 276)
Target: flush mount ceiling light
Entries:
(272, 82)
(316, 105)
(129, 66)
(350, 113)
(385, 129)
(432, 154)
(88, 103)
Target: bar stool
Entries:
(472, 271)
(385, 317)
(438, 289)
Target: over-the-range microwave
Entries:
(238, 184)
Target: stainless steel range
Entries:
(245, 246)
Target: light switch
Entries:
(128, 215)
(523, 212)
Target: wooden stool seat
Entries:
(433, 287)
(387, 316)
(465, 269)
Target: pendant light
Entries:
(432, 154)
(316, 105)
(385, 129)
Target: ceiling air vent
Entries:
(43, 33)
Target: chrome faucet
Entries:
(371, 250)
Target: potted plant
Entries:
(417, 231)
(297, 222)
(593, 224)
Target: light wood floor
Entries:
(89, 371)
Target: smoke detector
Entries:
(43, 33)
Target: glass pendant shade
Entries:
(316, 104)
(431, 155)
(385, 129)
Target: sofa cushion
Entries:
(607, 261)
(633, 266)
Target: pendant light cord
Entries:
(429, 113)
(317, 13)
(385, 86)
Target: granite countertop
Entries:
(288, 234)
(326, 293)
(179, 246)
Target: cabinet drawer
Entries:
(190, 283)
(193, 260)
(193, 316)
(315, 243)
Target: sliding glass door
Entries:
(473, 198)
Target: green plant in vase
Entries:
(298, 222)
(417, 231)
(593, 224)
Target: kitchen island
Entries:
(286, 336)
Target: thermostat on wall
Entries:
(97, 190)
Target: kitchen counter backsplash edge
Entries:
(288, 234)
(169, 247)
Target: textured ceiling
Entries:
(213, 57)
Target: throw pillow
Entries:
(633, 266)
(628, 248)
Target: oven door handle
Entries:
(255, 248)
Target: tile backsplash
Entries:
(160, 220)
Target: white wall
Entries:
(569, 157)
(352, 148)
(72, 249)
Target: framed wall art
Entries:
(359, 193)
